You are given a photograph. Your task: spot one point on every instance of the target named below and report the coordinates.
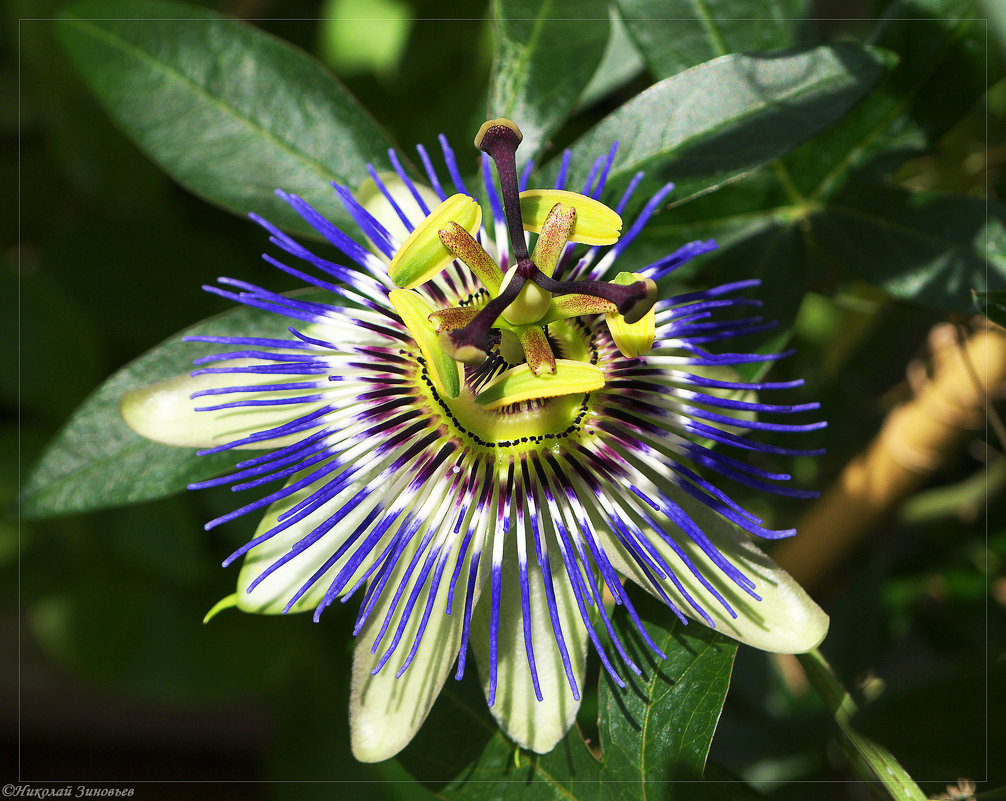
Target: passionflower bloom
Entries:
(482, 440)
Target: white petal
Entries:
(785, 620)
(385, 712)
(534, 725)
(276, 590)
(370, 488)
(373, 200)
(164, 412)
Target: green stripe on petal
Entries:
(164, 412)
(632, 339)
(532, 724)
(520, 384)
(423, 255)
(416, 315)
(595, 223)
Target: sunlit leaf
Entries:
(188, 86)
(674, 35)
(709, 124)
(619, 65)
(546, 53)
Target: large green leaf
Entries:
(656, 729)
(97, 461)
(230, 112)
(940, 75)
(927, 248)
(730, 214)
(546, 53)
(674, 35)
(620, 64)
(660, 726)
(709, 124)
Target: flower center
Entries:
(521, 322)
(529, 424)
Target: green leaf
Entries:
(619, 65)
(927, 248)
(777, 256)
(228, 111)
(674, 35)
(939, 77)
(546, 53)
(729, 215)
(709, 124)
(992, 305)
(659, 727)
(656, 729)
(461, 755)
(96, 461)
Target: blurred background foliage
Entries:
(862, 252)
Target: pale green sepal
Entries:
(415, 313)
(423, 255)
(786, 620)
(385, 712)
(532, 724)
(632, 339)
(520, 384)
(228, 602)
(373, 200)
(164, 412)
(595, 223)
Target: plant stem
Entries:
(873, 761)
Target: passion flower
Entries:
(483, 438)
